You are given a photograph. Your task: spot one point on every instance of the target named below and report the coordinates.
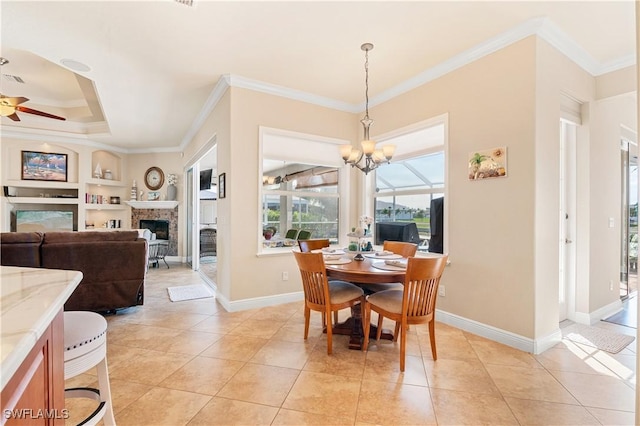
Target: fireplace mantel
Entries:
(152, 204)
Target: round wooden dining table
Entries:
(361, 272)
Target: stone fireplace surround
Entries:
(170, 215)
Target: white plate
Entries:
(341, 261)
(388, 256)
(380, 264)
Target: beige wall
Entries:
(616, 83)
(491, 240)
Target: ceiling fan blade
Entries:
(15, 100)
(36, 112)
(14, 117)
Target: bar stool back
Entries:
(85, 347)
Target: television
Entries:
(437, 225)
(44, 220)
(205, 179)
(397, 231)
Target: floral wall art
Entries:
(488, 164)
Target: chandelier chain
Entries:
(366, 82)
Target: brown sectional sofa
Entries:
(113, 264)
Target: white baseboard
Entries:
(259, 302)
(492, 333)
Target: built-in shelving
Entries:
(44, 184)
(105, 182)
(152, 204)
(41, 200)
(105, 207)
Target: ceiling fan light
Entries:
(7, 110)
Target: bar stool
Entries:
(85, 347)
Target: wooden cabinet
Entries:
(35, 393)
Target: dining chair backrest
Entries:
(403, 249)
(308, 245)
(292, 234)
(314, 278)
(421, 285)
(304, 234)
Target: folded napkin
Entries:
(400, 263)
(332, 256)
(384, 253)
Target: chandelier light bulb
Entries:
(368, 146)
(345, 151)
(388, 151)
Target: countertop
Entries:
(30, 298)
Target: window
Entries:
(302, 181)
(406, 189)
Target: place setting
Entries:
(399, 264)
(383, 255)
(333, 256)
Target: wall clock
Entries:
(154, 178)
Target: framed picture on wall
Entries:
(44, 166)
(222, 185)
(153, 196)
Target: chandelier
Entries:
(372, 157)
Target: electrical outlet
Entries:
(441, 291)
(610, 285)
(285, 276)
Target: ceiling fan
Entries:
(9, 106)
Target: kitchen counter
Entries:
(30, 299)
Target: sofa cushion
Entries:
(88, 237)
(21, 249)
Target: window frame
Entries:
(332, 159)
(370, 181)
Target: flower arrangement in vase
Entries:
(366, 222)
(172, 191)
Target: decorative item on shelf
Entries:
(44, 166)
(114, 200)
(97, 173)
(134, 191)
(153, 196)
(108, 175)
(141, 196)
(373, 157)
(172, 190)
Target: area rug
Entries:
(189, 292)
(597, 337)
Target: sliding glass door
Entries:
(629, 221)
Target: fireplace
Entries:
(159, 227)
(164, 222)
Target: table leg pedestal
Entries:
(353, 327)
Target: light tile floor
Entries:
(194, 363)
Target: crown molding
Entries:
(53, 136)
(296, 95)
(540, 27)
(209, 105)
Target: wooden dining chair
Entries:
(415, 304)
(397, 247)
(292, 234)
(304, 234)
(324, 296)
(308, 245)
